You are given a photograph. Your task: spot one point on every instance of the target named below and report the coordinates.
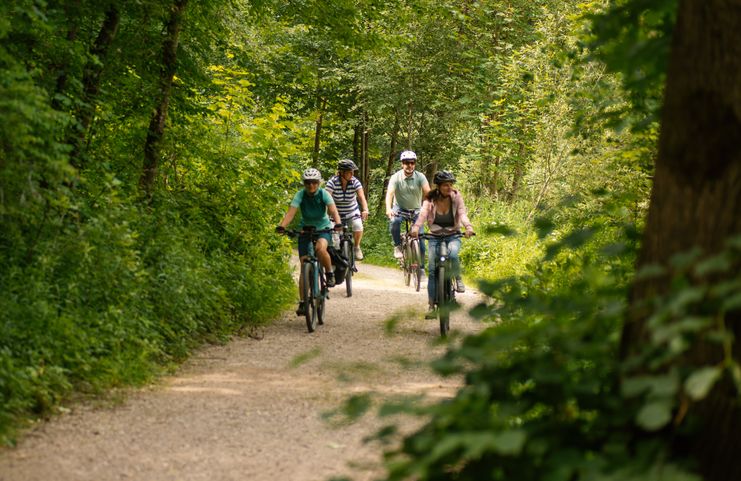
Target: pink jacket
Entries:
(460, 217)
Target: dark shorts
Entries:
(303, 243)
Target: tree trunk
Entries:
(696, 196)
(157, 123)
(318, 133)
(365, 168)
(389, 164)
(356, 144)
(517, 176)
(91, 82)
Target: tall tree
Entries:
(696, 197)
(157, 123)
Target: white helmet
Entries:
(312, 174)
(407, 155)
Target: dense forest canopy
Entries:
(147, 148)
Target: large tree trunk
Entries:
(157, 124)
(389, 164)
(91, 82)
(696, 196)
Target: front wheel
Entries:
(416, 264)
(347, 252)
(406, 260)
(320, 296)
(443, 303)
(307, 271)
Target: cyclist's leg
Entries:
(357, 230)
(454, 247)
(395, 229)
(321, 252)
(303, 252)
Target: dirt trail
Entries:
(244, 411)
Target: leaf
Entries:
(509, 442)
(649, 271)
(699, 383)
(654, 415)
(733, 302)
(713, 265)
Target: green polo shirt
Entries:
(408, 190)
(313, 208)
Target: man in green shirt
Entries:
(405, 191)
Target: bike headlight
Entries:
(442, 259)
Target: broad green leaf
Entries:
(654, 415)
(699, 383)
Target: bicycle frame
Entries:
(347, 244)
(444, 291)
(411, 248)
(318, 292)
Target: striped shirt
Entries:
(345, 199)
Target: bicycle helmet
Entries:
(311, 174)
(407, 155)
(443, 176)
(346, 164)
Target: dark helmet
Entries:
(346, 164)
(443, 176)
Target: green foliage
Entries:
(99, 288)
(546, 395)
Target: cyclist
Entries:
(445, 212)
(405, 191)
(315, 203)
(346, 190)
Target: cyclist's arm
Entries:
(425, 189)
(288, 217)
(389, 200)
(422, 217)
(363, 204)
(334, 213)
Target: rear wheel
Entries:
(443, 302)
(416, 264)
(307, 270)
(347, 252)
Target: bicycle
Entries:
(315, 291)
(444, 289)
(347, 249)
(411, 260)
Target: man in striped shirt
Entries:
(346, 190)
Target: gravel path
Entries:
(245, 410)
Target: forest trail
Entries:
(246, 411)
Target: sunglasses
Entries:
(409, 162)
(311, 182)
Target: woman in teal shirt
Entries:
(315, 203)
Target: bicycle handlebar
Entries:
(430, 235)
(308, 233)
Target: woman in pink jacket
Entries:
(445, 212)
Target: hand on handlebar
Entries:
(280, 229)
(469, 233)
(390, 214)
(338, 226)
(414, 232)
(364, 215)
